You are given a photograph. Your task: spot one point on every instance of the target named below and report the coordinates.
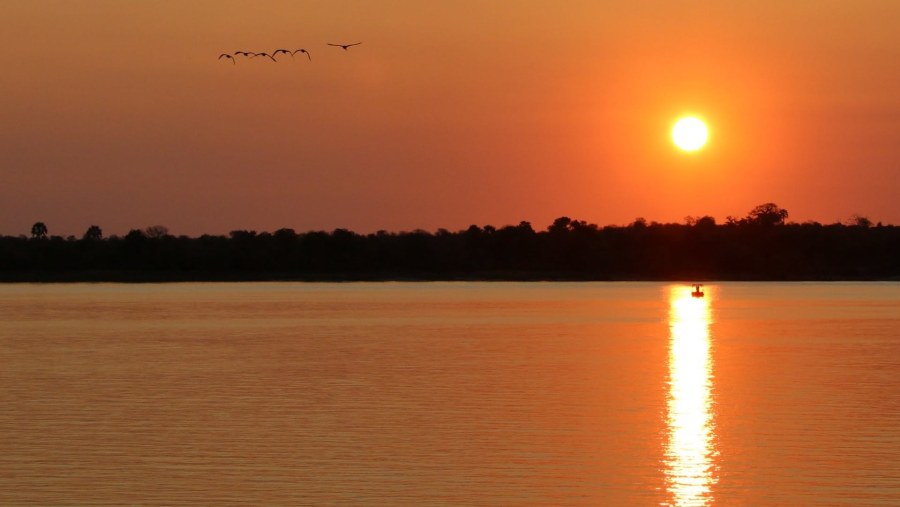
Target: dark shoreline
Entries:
(761, 247)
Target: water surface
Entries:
(450, 394)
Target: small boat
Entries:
(698, 291)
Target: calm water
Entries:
(450, 394)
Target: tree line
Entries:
(759, 246)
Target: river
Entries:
(614, 394)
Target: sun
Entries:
(690, 133)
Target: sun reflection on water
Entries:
(689, 453)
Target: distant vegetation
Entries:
(760, 246)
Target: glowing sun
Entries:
(690, 133)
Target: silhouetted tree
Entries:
(856, 220)
(285, 235)
(156, 231)
(93, 233)
(767, 214)
(242, 235)
(525, 227)
(39, 230)
(560, 225)
(135, 235)
(639, 223)
(705, 221)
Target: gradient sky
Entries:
(117, 113)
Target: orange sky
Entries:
(118, 113)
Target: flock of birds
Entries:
(251, 54)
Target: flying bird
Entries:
(225, 55)
(285, 51)
(267, 55)
(302, 51)
(344, 46)
(244, 53)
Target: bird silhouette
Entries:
(225, 55)
(302, 51)
(344, 46)
(267, 55)
(285, 51)
(244, 53)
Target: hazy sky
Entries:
(117, 113)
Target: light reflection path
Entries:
(689, 452)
